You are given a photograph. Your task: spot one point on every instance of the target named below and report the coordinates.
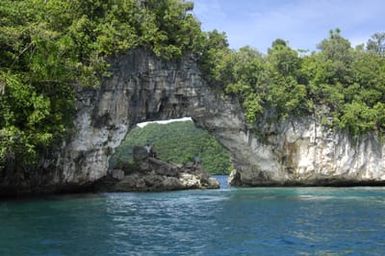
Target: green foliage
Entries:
(349, 82)
(376, 44)
(176, 142)
(357, 117)
(216, 58)
(50, 46)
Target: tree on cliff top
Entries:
(282, 84)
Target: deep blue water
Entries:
(255, 221)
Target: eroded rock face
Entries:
(303, 152)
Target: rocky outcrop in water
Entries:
(147, 173)
(151, 174)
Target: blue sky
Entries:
(304, 23)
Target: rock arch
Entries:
(298, 151)
(142, 88)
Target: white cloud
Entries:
(184, 119)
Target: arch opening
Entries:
(176, 141)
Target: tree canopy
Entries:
(348, 82)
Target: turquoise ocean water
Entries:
(254, 221)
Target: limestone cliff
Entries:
(304, 152)
(143, 88)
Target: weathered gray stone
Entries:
(117, 174)
(160, 176)
(304, 152)
(213, 183)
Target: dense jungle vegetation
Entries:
(343, 85)
(48, 47)
(177, 142)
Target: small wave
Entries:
(314, 197)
